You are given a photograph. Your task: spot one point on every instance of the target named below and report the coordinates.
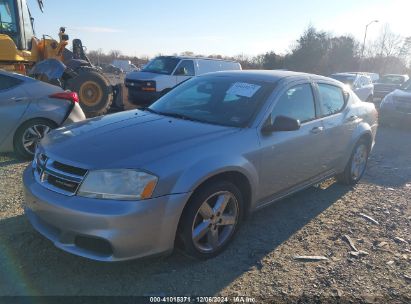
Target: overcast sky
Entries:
(227, 27)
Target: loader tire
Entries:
(94, 91)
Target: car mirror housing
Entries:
(281, 124)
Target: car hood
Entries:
(127, 140)
(143, 75)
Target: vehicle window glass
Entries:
(392, 79)
(7, 82)
(185, 68)
(224, 101)
(7, 17)
(407, 86)
(346, 79)
(161, 65)
(331, 99)
(297, 103)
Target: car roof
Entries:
(194, 57)
(269, 75)
(15, 75)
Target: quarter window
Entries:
(7, 82)
(297, 103)
(331, 99)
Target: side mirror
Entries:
(280, 124)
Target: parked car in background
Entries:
(389, 83)
(111, 69)
(395, 108)
(163, 73)
(125, 65)
(360, 83)
(195, 163)
(29, 109)
(374, 76)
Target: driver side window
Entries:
(297, 102)
(185, 68)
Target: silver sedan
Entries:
(29, 109)
(188, 169)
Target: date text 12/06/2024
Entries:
(237, 299)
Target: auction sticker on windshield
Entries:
(243, 89)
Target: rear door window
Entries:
(332, 99)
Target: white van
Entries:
(163, 73)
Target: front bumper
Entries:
(138, 97)
(116, 230)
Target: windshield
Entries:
(346, 79)
(8, 22)
(162, 65)
(226, 101)
(392, 79)
(407, 86)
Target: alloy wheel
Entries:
(33, 135)
(215, 221)
(359, 161)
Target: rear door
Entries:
(337, 122)
(13, 104)
(185, 70)
(291, 158)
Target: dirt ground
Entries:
(260, 262)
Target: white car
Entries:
(360, 83)
(163, 73)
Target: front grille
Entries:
(58, 177)
(135, 84)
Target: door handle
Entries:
(352, 118)
(317, 130)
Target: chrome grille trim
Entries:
(43, 169)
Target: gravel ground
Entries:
(260, 262)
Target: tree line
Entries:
(315, 51)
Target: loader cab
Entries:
(16, 22)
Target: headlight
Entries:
(118, 185)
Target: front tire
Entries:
(211, 219)
(29, 134)
(356, 166)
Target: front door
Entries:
(185, 70)
(293, 157)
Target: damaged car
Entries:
(29, 109)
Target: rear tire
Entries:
(356, 166)
(94, 90)
(205, 229)
(29, 134)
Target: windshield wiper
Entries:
(179, 116)
(174, 115)
(149, 110)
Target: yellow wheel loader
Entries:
(49, 60)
